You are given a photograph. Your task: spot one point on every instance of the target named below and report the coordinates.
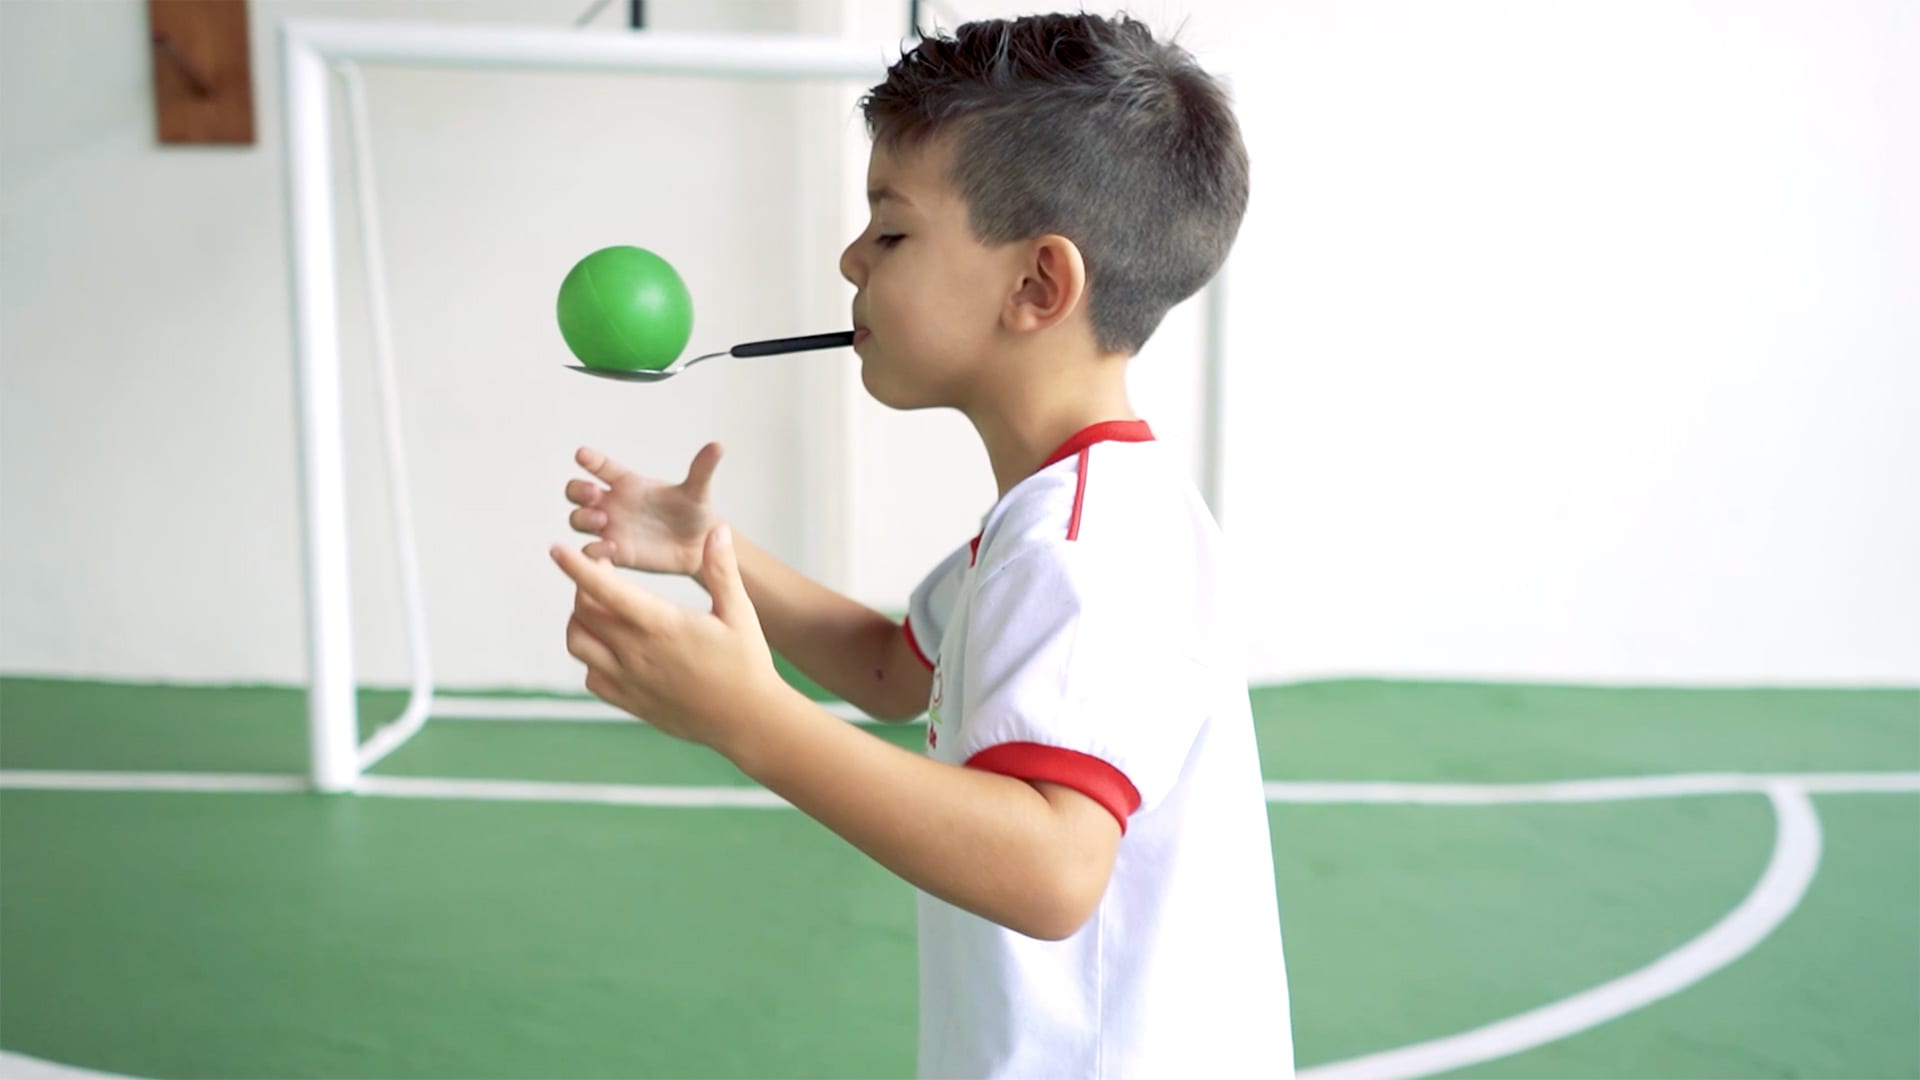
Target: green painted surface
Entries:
(1317, 731)
(1408, 923)
(276, 935)
(609, 753)
(53, 724)
(299, 935)
(1834, 992)
(1359, 730)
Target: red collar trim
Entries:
(1105, 431)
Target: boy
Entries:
(1087, 828)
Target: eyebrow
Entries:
(876, 195)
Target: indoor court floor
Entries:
(1475, 880)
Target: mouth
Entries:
(860, 334)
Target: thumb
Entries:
(729, 592)
(700, 473)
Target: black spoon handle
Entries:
(793, 344)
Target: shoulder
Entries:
(1119, 537)
(1118, 509)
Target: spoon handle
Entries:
(793, 344)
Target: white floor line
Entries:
(204, 783)
(675, 795)
(1580, 791)
(1796, 855)
(426, 787)
(574, 710)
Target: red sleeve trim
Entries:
(914, 643)
(1084, 773)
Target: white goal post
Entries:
(310, 49)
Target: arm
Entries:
(1034, 857)
(845, 646)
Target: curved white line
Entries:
(1796, 855)
(22, 1067)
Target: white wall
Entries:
(1568, 341)
(149, 471)
(1579, 340)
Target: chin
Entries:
(880, 388)
(885, 385)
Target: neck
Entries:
(1021, 421)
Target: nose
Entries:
(852, 267)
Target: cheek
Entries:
(968, 296)
(941, 308)
(930, 307)
(888, 307)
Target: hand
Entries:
(642, 523)
(703, 677)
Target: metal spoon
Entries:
(774, 347)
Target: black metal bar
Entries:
(637, 14)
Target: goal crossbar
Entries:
(308, 48)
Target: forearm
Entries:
(991, 844)
(841, 644)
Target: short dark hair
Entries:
(1089, 128)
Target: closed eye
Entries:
(887, 240)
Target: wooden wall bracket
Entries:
(202, 71)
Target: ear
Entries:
(1052, 286)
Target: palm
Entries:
(654, 526)
(642, 523)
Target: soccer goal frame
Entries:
(312, 48)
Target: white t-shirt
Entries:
(1088, 637)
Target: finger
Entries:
(599, 617)
(584, 493)
(730, 602)
(608, 470)
(602, 549)
(603, 687)
(586, 647)
(614, 633)
(587, 520)
(700, 473)
(597, 578)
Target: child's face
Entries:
(930, 295)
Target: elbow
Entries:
(1059, 909)
(900, 680)
(892, 709)
(1070, 869)
(1052, 929)
(899, 712)
(897, 701)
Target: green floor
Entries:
(301, 935)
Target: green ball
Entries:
(625, 308)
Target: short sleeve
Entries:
(1067, 680)
(932, 605)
